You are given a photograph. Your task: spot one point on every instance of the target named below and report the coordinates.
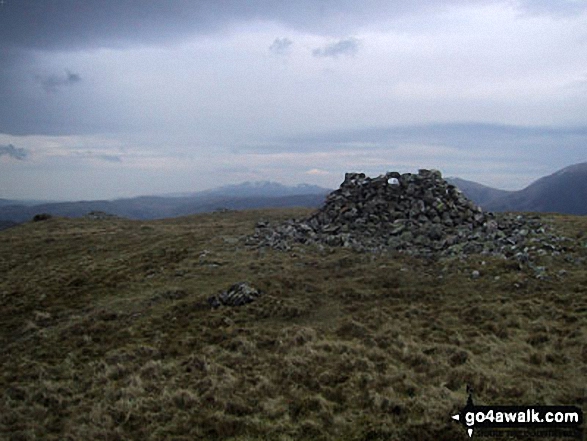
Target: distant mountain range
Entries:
(255, 189)
(563, 192)
(5, 202)
(479, 193)
(248, 195)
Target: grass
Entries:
(106, 334)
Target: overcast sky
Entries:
(115, 98)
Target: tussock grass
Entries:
(106, 334)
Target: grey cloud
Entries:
(13, 152)
(466, 136)
(484, 147)
(350, 46)
(578, 84)
(461, 134)
(93, 155)
(74, 24)
(280, 46)
(53, 82)
(560, 8)
(71, 24)
(109, 158)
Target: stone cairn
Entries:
(418, 214)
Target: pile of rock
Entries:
(419, 214)
(237, 295)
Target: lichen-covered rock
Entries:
(237, 295)
(418, 214)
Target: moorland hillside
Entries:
(107, 333)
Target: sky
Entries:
(103, 99)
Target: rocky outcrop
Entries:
(41, 217)
(419, 214)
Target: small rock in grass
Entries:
(237, 295)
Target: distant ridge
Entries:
(249, 195)
(478, 193)
(254, 189)
(564, 191)
(266, 189)
(6, 202)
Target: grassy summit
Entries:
(106, 333)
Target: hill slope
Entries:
(562, 192)
(478, 193)
(106, 333)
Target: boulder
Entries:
(237, 295)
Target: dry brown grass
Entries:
(106, 334)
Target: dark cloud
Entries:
(13, 152)
(30, 28)
(51, 83)
(350, 46)
(76, 24)
(280, 46)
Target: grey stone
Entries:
(238, 294)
